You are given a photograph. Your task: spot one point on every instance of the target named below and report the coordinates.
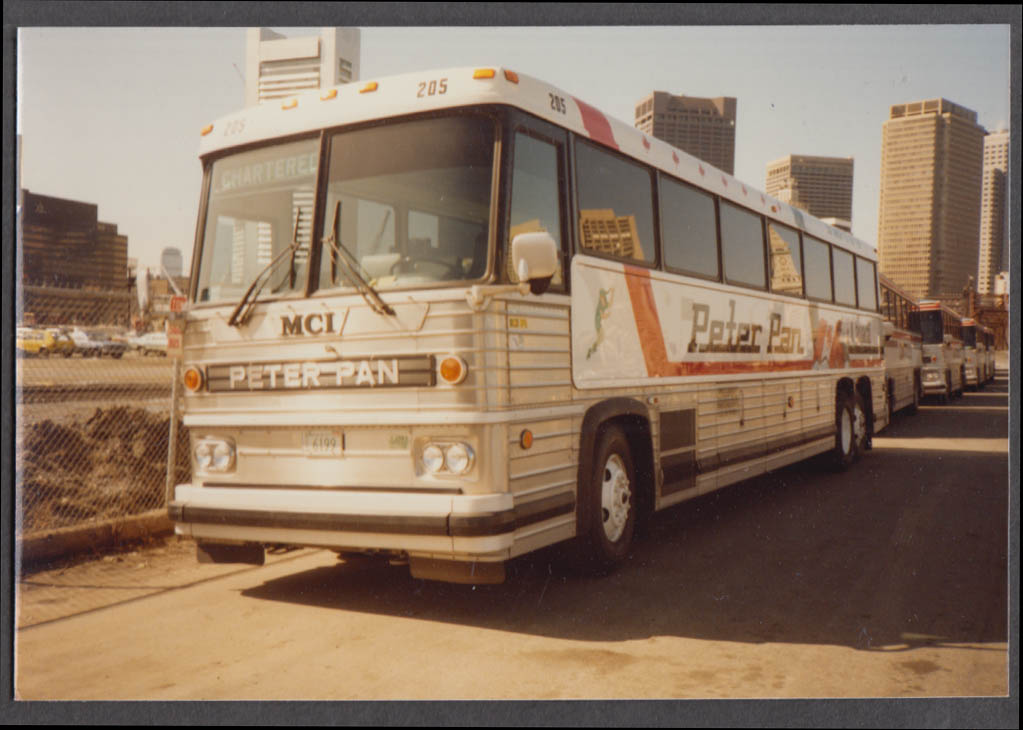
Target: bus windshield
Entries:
(969, 336)
(414, 202)
(260, 201)
(930, 327)
(410, 203)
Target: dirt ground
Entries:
(76, 469)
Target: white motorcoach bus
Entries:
(943, 371)
(454, 317)
(974, 354)
(903, 354)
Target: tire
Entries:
(610, 493)
(861, 428)
(43, 352)
(847, 442)
(916, 397)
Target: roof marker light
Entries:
(483, 73)
(206, 130)
(290, 104)
(511, 76)
(329, 95)
(371, 86)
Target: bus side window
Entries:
(845, 282)
(817, 269)
(616, 207)
(742, 247)
(534, 197)
(786, 261)
(866, 284)
(688, 229)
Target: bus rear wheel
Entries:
(611, 504)
(850, 430)
(916, 395)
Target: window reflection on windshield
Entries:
(255, 198)
(415, 201)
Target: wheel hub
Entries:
(615, 498)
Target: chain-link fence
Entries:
(92, 421)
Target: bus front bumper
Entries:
(455, 526)
(932, 382)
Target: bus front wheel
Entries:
(611, 508)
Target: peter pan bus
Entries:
(453, 317)
(903, 347)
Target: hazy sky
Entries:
(112, 115)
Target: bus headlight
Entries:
(214, 455)
(455, 458)
(433, 458)
(458, 458)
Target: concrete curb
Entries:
(42, 547)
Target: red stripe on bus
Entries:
(596, 124)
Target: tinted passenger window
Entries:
(742, 247)
(817, 269)
(615, 205)
(786, 261)
(865, 286)
(845, 285)
(689, 235)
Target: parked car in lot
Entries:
(38, 342)
(96, 344)
(62, 342)
(151, 343)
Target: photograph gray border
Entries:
(926, 712)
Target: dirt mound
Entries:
(112, 464)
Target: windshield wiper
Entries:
(350, 267)
(243, 311)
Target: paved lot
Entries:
(887, 581)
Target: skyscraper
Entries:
(277, 67)
(822, 186)
(929, 215)
(994, 211)
(171, 261)
(704, 128)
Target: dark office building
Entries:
(73, 267)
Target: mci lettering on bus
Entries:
(453, 317)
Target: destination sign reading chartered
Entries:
(257, 173)
(382, 372)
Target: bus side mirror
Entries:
(535, 257)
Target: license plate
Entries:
(321, 443)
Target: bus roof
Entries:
(889, 284)
(421, 92)
(932, 305)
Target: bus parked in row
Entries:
(903, 347)
(943, 370)
(454, 317)
(978, 356)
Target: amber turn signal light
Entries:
(453, 370)
(193, 379)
